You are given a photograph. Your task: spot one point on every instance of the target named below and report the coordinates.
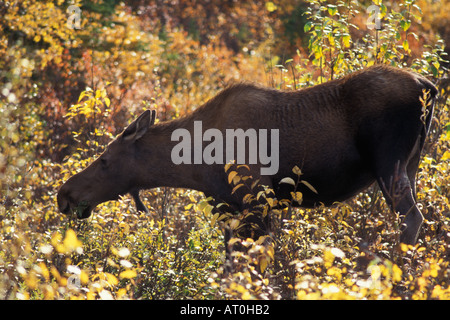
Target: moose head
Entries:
(111, 175)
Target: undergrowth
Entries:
(176, 251)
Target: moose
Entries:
(344, 135)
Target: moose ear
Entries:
(139, 127)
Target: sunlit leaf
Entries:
(306, 183)
(405, 24)
(287, 180)
(128, 274)
(307, 26)
(270, 6)
(332, 9)
(71, 241)
(237, 187)
(231, 176)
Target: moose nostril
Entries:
(63, 202)
(63, 205)
(65, 209)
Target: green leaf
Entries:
(307, 26)
(434, 70)
(436, 64)
(332, 9)
(405, 24)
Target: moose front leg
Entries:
(140, 206)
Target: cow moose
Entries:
(344, 135)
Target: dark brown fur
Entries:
(344, 135)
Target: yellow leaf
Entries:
(406, 46)
(270, 6)
(446, 156)
(48, 293)
(260, 193)
(214, 218)
(234, 224)
(246, 296)
(296, 170)
(231, 175)
(228, 166)
(346, 40)
(121, 292)
(44, 270)
(297, 196)
(128, 274)
(84, 277)
(56, 238)
(112, 280)
(71, 241)
(243, 166)
(318, 54)
(306, 183)
(263, 264)
(55, 273)
(208, 209)
(396, 273)
(82, 94)
(31, 281)
(236, 187)
(248, 198)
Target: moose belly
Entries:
(333, 178)
(334, 187)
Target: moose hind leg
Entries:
(398, 192)
(413, 164)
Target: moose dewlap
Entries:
(344, 135)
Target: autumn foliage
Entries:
(66, 90)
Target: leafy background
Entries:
(66, 92)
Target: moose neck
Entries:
(156, 152)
